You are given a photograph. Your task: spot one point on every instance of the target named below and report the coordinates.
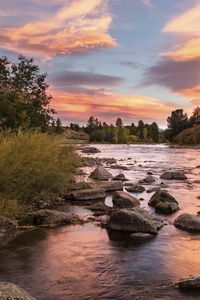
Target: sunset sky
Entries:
(136, 59)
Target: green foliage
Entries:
(24, 102)
(190, 137)
(121, 134)
(11, 209)
(177, 122)
(195, 118)
(34, 165)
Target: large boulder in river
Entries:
(86, 194)
(47, 217)
(124, 200)
(90, 150)
(188, 222)
(100, 173)
(136, 188)
(136, 220)
(173, 176)
(10, 291)
(163, 202)
(190, 283)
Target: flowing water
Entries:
(87, 262)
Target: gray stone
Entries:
(190, 283)
(136, 188)
(111, 186)
(120, 177)
(163, 202)
(10, 291)
(173, 176)
(90, 150)
(133, 221)
(88, 194)
(188, 222)
(124, 200)
(100, 173)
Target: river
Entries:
(85, 262)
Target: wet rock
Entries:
(136, 188)
(196, 181)
(7, 231)
(80, 186)
(46, 217)
(133, 221)
(90, 150)
(125, 168)
(109, 161)
(149, 173)
(111, 186)
(100, 173)
(148, 180)
(124, 200)
(100, 209)
(198, 167)
(86, 194)
(120, 177)
(190, 283)
(154, 189)
(173, 176)
(163, 202)
(11, 291)
(81, 172)
(188, 222)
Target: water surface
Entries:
(85, 262)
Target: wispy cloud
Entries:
(179, 67)
(75, 27)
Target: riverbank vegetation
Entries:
(33, 162)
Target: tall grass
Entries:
(33, 165)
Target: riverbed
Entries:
(86, 262)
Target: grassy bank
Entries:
(188, 137)
(33, 166)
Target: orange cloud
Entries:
(108, 106)
(77, 27)
(187, 25)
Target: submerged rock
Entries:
(124, 200)
(100, 173)
(11, 291)
(163, 202)
(46, 217)
(136, 220)
(88, 194)
(188, 222)
(120, 177)
(190, 283)
(173, 176)
(136, 188)
(90, 150)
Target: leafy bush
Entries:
(33, 165)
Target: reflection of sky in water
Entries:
(84, 262)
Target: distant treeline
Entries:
(119, 133)
(25, 104)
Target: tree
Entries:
(154, 132)
(58, 126)
(119, 122)
(177, 122)
(195, 118)
(133, 129)
(141, 129)
(23, 94)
